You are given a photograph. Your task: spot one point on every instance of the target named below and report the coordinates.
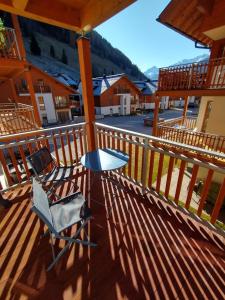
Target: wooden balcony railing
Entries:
(42, 89)
(204, 75)
(187, 122)
(180, 131)
(15, 118)
(151, 165)
(8, 44)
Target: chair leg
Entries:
(52, 246)
(69, 240)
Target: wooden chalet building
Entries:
(52, 96)
(147, 89)
(115, 94)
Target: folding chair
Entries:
(62, 215)
(41, 161)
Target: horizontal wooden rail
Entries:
(203, 75)
(150, 162)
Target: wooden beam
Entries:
(19, 37)
(84, 53)
(57, 14)
(184, 93)
(156, 115)
(33, 98)
(96, 12)
(205, 6)
(13, 90)
(20, 4)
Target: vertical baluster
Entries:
(180, 180)
(69, 147)
(15, 163)
(130, 155)
(21, 150)
(169, 176)
(205, 192)
(136, 156)
(81, 142)
(56, 149)
(159, 175)
(75, 146)
(5, 167)
(151, 168)
(218, 203)
(191, 185)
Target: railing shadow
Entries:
(147, 249)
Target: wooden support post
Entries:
(33, 98)
(87, 89)
(185, 109)
(19, 37)
(13, 90)
(156, 115)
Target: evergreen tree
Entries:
(52, 51)
(64, 57)
(34, 47)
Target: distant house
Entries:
(52, 96)
(115, 94)
(147, 89)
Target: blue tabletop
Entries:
(104, 160)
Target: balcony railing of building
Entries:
(15, 118)
(151, 165)
(41, 89)
(8, 44)
(203, 75)
(182, 130)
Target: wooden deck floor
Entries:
(147, 249)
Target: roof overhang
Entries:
(75, 15)
(187, 17)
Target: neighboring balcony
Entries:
(152, 239)
(196, 76)
(8, 44)
(39, 89)
(16, 118)
(183, 130)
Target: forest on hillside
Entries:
(99, 46)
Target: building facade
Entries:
(115, 95)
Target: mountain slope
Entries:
(153, 72)
(105, 58)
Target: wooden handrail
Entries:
(201, 75)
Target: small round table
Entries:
(102, 160)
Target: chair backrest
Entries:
(40, 202)
(40, 160)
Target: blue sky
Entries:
(145, 41)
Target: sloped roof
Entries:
(101, 84)
(51, 77)
(146, 87)
(65, 79)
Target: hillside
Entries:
(153, 72)
(105, 58)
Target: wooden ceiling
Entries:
(76, 15)
(187, 16)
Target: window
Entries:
(41, 103)
(40, 82)
(61, 101)
(207, 115)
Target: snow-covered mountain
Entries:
(153, 72)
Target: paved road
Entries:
(136, 123)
